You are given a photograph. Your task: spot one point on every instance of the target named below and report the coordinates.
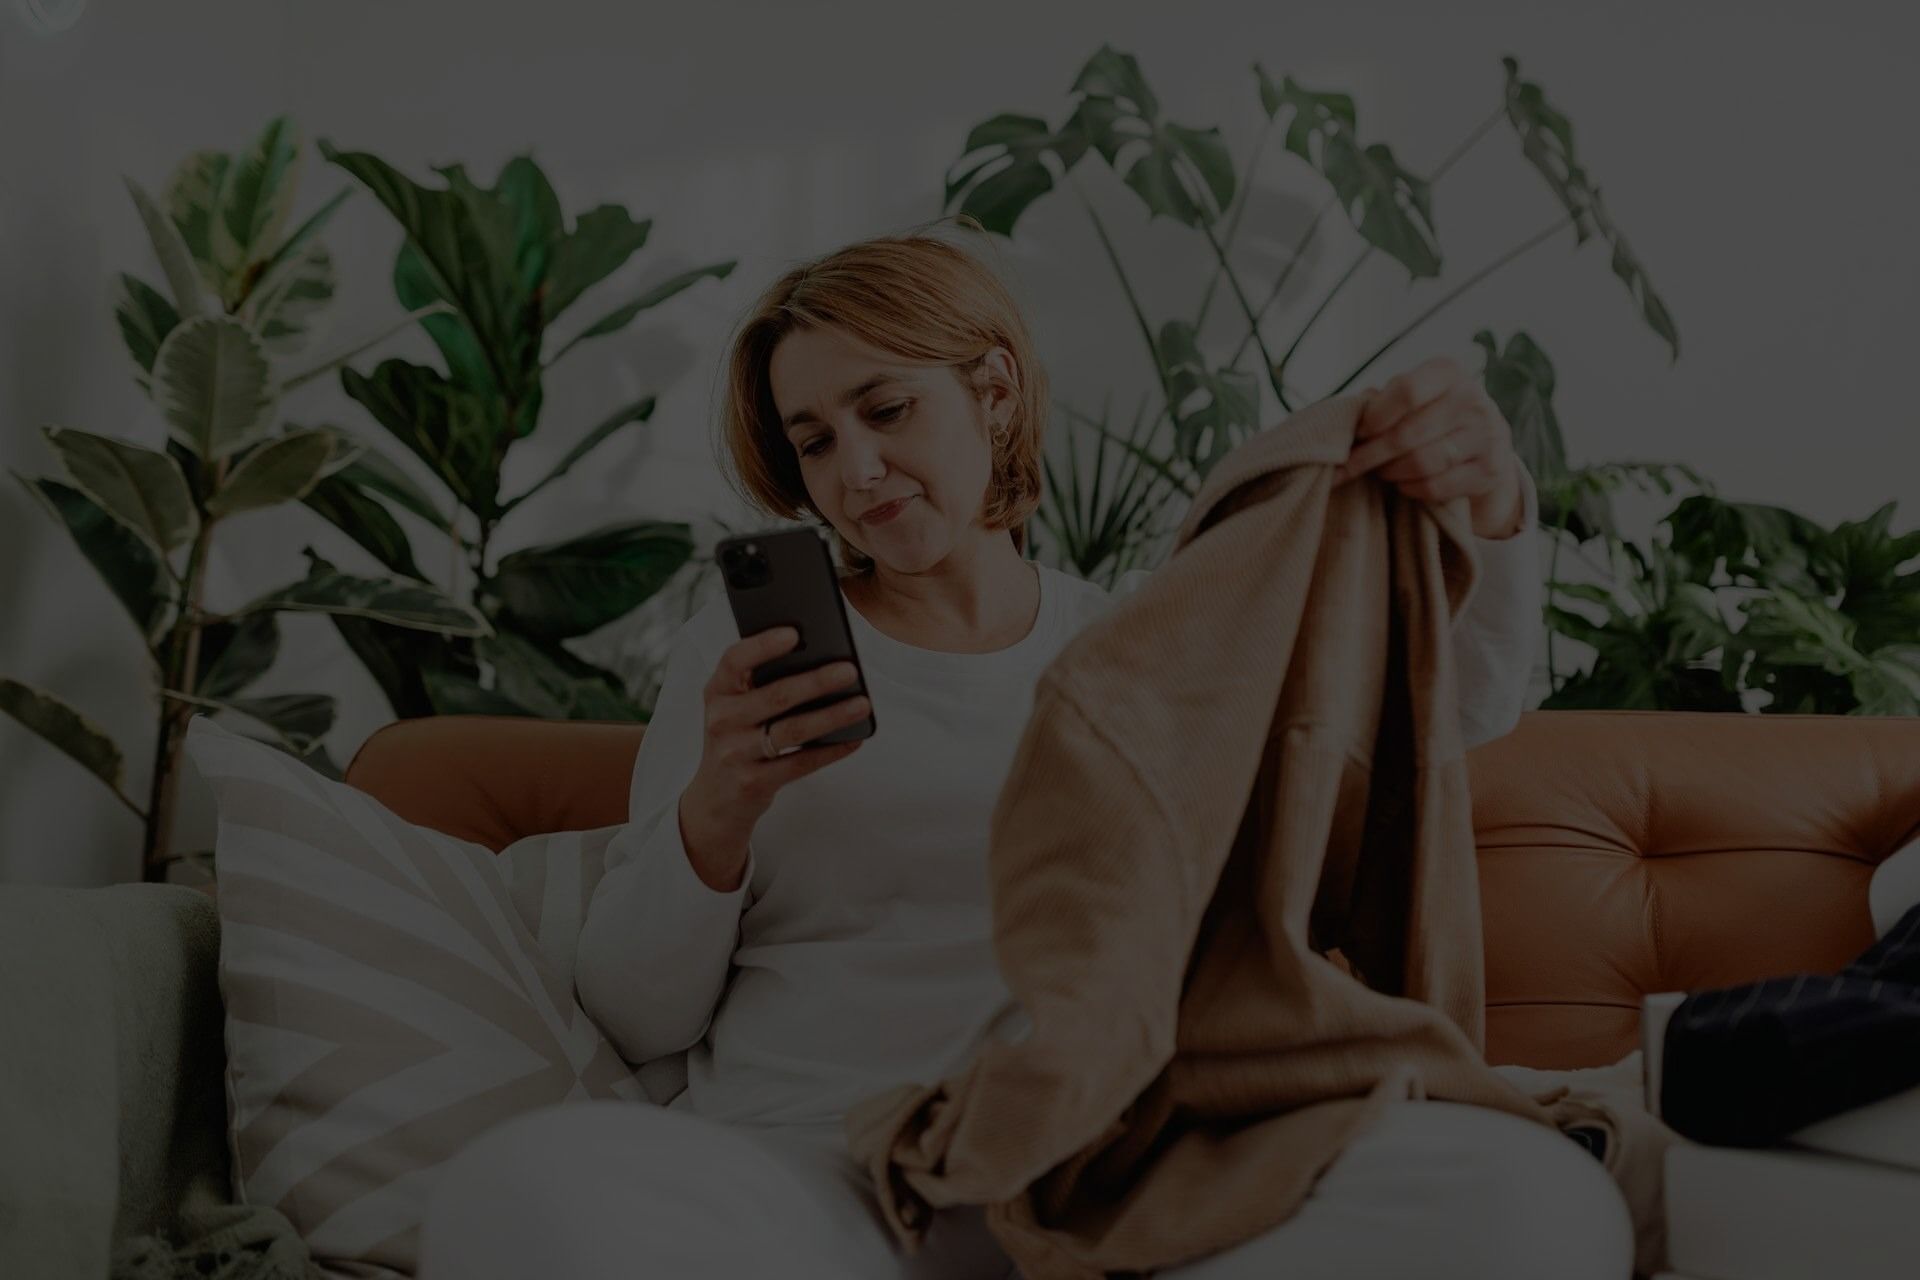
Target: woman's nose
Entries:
(861, 462)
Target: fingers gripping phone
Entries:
(786, 578)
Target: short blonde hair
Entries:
(917, 297)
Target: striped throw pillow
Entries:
(391, 992)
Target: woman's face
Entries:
(871, 429)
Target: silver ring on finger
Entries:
(1453, 452)
(767, 749)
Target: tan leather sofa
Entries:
(1621, 852)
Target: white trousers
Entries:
(631, 1191)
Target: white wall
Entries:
(1758, 156)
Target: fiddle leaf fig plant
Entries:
(505, 267)
(215, 351)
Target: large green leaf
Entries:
(283, 310)
(1761, 545)
(176, 260)
(574, 587)
(352, 510)
(467, 240)
(299, 720)
(140, 488)
(278, 471)
(1520, 380)
(124, 560)
(294, 245)
(452, 430)
(235, 654)
(600, 243)
(414, 284)
(257, 197)
(546, 681)
(1213, 409)
(1388, 205)
(621, 317)
(66, 729)
(451, 693)
(145, 318)
(213, 383)
(639, 411)
(1115, 75)
(1546, 140)
(192, 200)
(1003, 168)
(404, 604)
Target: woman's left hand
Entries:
(1435, 435)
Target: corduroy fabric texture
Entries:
(1253, 761)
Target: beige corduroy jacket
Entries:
(1252, 761)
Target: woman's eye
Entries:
(888, 413)
(808, 449)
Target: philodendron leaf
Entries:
(192, 199)
(601, 241)
(235, 654)
(1389, 206)
(280, 470)
(176, 260)
(620, 317)
(121, 557)
(141, 488)
(214, 385)
(1520, 381)
(284, 311)
(256, 197)
(404, 604)
(63, 727)
(574, 587)
(145, 318)
(1546, 140)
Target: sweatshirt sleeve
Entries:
(657, 942)
(1497, 634)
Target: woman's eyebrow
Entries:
(801, 417)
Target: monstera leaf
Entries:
(1213, 409)
(1389, 206)
(1003, 168)
(1179, 172)
(1546, 139)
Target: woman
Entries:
(813, 923)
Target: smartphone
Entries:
(786, 578)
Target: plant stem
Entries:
(1352, 267)
(1479, 132)
(1253, 321)
(1126, 286)
(182, 650)
(1539, 238)
(1233, 223)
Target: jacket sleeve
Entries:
(657, 941)
(1495, 637)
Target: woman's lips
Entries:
(883, 514)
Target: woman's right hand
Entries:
(736, 782)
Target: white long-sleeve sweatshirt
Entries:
(857, 952)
